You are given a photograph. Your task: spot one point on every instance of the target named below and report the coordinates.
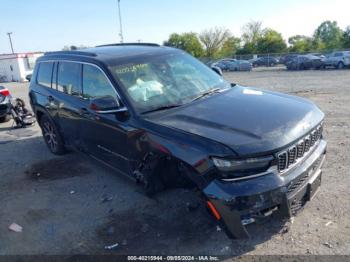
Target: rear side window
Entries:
(68, 78)
(95, 83)
(44, 74)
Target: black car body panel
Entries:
(251, 122)
(236, 123)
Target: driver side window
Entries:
(95, 83)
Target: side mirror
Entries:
(106, 105)
(29, 77)
(217, 70)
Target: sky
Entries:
(47, 25)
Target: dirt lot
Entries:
(72, 205)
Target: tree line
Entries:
(255, 39)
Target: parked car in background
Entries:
(286, 58)
(338, 60)
(264, 61)
(322, 56)
(303, 62)
(230, 64)
(5, 104)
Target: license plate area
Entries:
(314, 185)
(305, 193)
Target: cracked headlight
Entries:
(242, 165)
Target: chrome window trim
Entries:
(84, 63)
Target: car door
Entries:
(103, 136)
(45, 89)
(69, 98)
(336, 58)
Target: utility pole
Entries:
(9, 34)
(120, 23)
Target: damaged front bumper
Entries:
(239, 203)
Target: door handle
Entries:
(50, 98)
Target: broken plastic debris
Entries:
(327, 245)
(218, 228)
(328, 223)
(111, 246)
(15, 228)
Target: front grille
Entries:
(287, 158)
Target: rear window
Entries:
(45, 73)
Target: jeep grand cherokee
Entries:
(160, 116)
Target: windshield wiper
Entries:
(162, 108)
(206, 93)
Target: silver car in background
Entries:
(339, 59)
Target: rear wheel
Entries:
(51, 135)
(340, 65)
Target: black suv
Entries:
(165, 119)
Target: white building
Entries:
(15, 67)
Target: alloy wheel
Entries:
(50, 135)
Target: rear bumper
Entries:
(241, 202)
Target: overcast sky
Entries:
(45, 25)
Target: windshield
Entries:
(166, 80)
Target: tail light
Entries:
(5, 92)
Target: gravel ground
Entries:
(73, 205)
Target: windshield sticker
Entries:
(131, 68)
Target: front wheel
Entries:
(51, 136)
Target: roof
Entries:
(110, 53)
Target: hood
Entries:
(249, 121)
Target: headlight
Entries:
(244, 165)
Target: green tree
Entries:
(229, 47)
(301, 43)
(346, 37)
(270, 42)
(213, 40)
(251, 32)
(186, 41)
(329, 34)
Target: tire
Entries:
(5, 118)
(52, 137)
(340, 65)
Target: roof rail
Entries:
(72, 52)
(126, 44)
